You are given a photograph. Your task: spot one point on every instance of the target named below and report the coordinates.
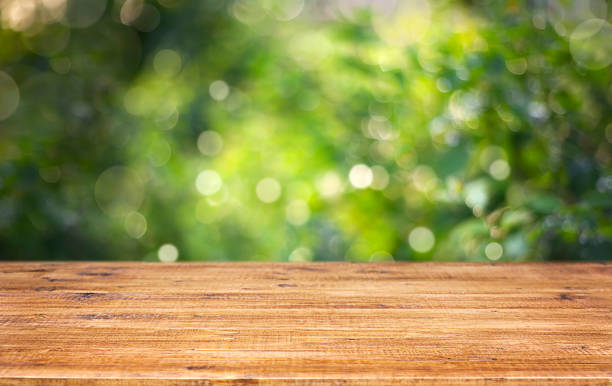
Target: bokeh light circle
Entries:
(590, 44)
(247, 11)
(148, 19)
(83, 13)
(144, 17)
(167, 62)
(301, 254)
(210, 143)
(284, 10)
(118, 191)
(361, 176)
(499, 169)
(49, 41)
(50, 174)
(160, 152)
(381, 256)
(424, 178)
(135, 225)
(297, 212)
(405, 24)
(421, 239)
(380, 177)
(18, 15)
(310, 49)
(168, 253)
(9, 95)
(494, 251)
(137, 101)
(268, 190)
(564, 15)
(208, 182)
(329, 185)
(219, 90)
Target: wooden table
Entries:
(275, 323)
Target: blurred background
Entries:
(305, 130)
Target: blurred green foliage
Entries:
(305, 130)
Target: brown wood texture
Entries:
(320, 323)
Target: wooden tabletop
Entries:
(278, 323)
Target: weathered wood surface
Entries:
(265, 323)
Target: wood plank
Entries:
(319, 323)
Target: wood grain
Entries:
(275, 323)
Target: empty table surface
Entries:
(269, 323)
